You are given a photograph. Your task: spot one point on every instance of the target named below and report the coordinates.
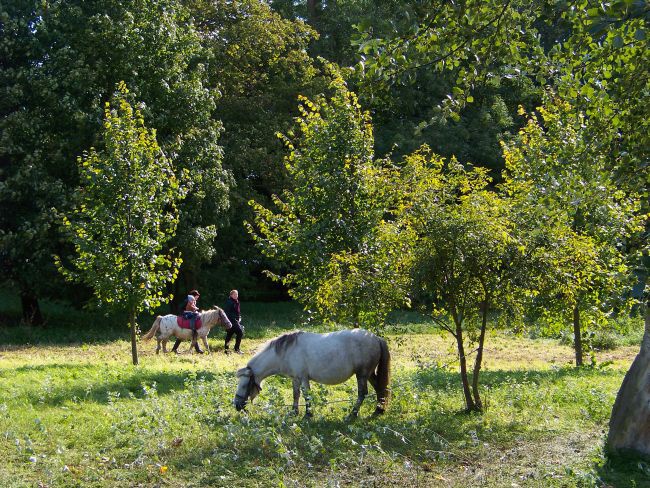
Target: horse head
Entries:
(222, 318)
(249, 387)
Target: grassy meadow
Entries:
(75, 412)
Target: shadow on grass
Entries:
(63, 332)
(440, 378)
(625, 471)
(79, 388)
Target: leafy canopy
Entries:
(324, 230)
(578, 221)
(125, 211)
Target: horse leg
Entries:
(362, 391)
(296, 394)
(205, 344)
(307, 395)
(373, 381)
(164, 345)
(158, 346)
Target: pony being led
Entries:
(324, 358)
(168, 325)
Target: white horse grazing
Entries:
(167, 325)
(325, 358)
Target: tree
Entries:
(579, 221)
(599, 66)
(363, 287)
(325, 226)
(260, 63)
(125, 212)
(63, 60)
(611, 85)
(466, 254)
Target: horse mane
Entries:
(284, 342)
(245, 371)
(211, 311)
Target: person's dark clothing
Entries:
(233, 312)
(237, 330)
(192, 316)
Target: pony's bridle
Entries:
(249, 389)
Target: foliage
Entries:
(260, 63)
(466, 254)
(610, 84)
(406, 117)
(61, 62)
(125, 213)
(557, 176)
(327, 226)
(404, 114)
(472, 40)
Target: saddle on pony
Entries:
(184, 323)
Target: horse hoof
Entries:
(308, 416)
(378, 412)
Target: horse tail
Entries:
(383, 377)
(154, 329)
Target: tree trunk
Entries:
(30, 307)
(629, 426)
(313, 9)
(479, 357)
(469, 402)
(134, 336)
(577, 336)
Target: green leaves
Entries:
(324, 231)
(575, 218)
(60, 63)
(125, 211)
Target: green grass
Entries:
(76, 413)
